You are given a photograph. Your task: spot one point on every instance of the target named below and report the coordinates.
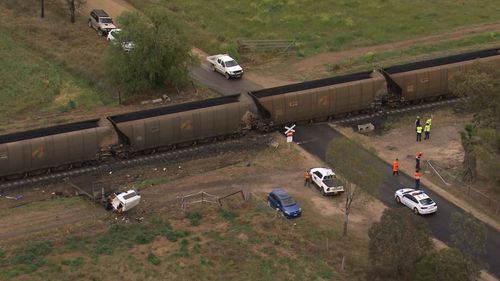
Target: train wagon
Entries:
(319, 98)
(41, 149)
(430, 78)
(182, 123)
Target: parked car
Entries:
(278, 199)
(101, 22)
(419, 202)
(115, 38)
(326, 180)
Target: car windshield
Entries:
(426, 201)
(289, 201)
(231, 63)
(106, 20)
(329, 181)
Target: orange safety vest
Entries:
(395, 166)
(307, 175)
(417, 175)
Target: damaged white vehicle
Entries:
(124, 201)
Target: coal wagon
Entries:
(41, 149)
(181, 124)
(430, 79)
(317, 99)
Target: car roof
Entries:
(280, 193)
(418, 194)
(100, 13)
(225, 58)
(324, 171)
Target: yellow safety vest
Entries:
(429, 121)
(419, 129)
(427, 128)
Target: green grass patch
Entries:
(227, 214)
(320, 26)
(77, 262)
(153, 181)
(153, 259)
(194, 218)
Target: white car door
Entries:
(407, 201)
(219, 66)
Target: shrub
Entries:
(194, 217)
(227, 214)
(152, 258)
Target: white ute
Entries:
(225, 65)
(326, 180)
(124, 201)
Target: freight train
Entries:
(87, 142)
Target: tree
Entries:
(468, 235)
(159, 58)
(397, 243)
(469, 141)
(358, 167)
(480, 84)
(446, 265)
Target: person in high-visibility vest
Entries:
(429, 121)
(307, 178)
(417, 179)
(395, 167)
(427, 131)
(419, 133)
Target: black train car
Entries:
(430, 78)
(319, 98)
(182, 123)
(45, 148)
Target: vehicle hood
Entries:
(403, 190)
(292, 209)
(234, 68)
(108, 25)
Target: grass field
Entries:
(31, 85)
(246, 243)
(320, 26)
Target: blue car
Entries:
(279, 199)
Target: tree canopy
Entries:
(160, 56)
(397, 243)
(445, 265)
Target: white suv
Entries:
(101, 22)
(416, 200)
(326, 180)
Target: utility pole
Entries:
(43, 8)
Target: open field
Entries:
(321, 26)
(243, 240)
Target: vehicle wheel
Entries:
(415, 210)
(227, 76)
(99, 32)
(397, 199)
(323, 192)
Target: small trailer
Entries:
(225, 65)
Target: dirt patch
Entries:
(113, 7)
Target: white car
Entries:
(416, 200)
(326, 180)
(114, 37)
(225, 65)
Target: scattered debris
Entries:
(274, 144)
(17, 197)
(157, 101)
(364, 128)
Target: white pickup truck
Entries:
(225, 65)
(326, 180)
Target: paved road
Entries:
(218, 83)
(315, 138)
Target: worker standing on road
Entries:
(417, 160)
(417, 179)
(307, 179)
(419, 133)
(427, 130)
(429, 121)
(395, 167)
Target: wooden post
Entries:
(42, 14)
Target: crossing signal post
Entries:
(289, 134)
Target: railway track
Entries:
(171, 157)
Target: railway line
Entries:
(170, 157)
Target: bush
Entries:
(144, 238)
(152, 258)
(227, 214)
(194, 217)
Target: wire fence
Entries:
(453, 179)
